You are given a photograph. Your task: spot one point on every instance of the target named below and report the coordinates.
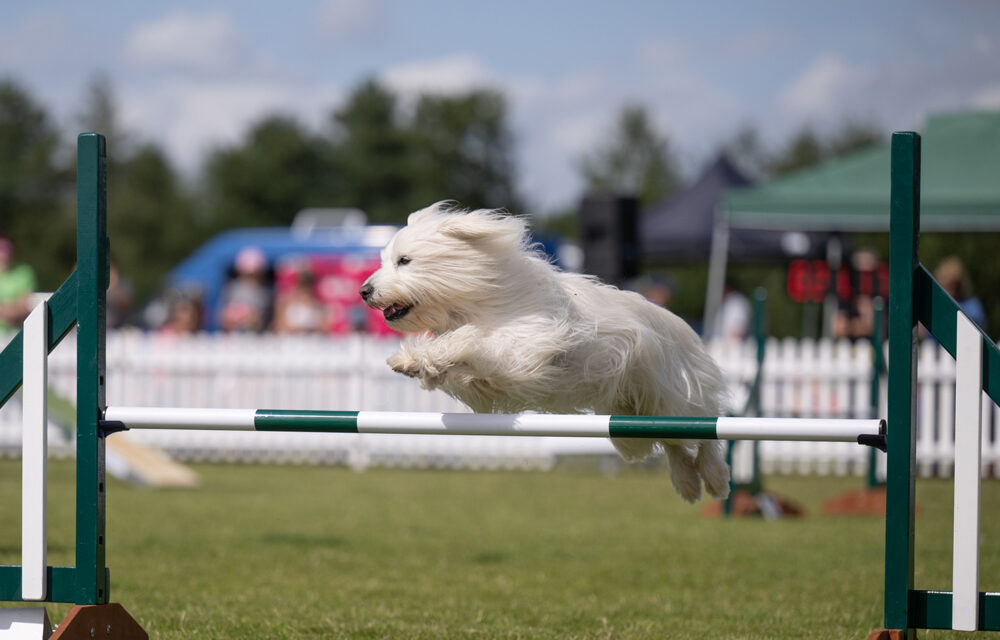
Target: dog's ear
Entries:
(436, 209)
(464, 227)
(417, 216)
(481, 225)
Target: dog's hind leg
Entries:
(711, 463)
(683, 472)
(634, 449)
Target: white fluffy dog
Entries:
(502, 330)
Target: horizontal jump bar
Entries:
(581, 426)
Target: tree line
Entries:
(375, 152)
(372, 154)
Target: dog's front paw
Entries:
(414, 366)
(405, 364)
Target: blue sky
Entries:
(194, 75)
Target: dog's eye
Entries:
(402, 260)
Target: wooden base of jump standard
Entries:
(101, 621)
(866, 501)
(765, 504)
(889, 634)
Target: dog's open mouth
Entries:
(396, 311)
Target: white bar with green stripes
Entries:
(523, 424)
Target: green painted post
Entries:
(92, 281)
(904, 233)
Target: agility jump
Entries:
(491, 424)
(80, 302)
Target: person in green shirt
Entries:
(17, 283)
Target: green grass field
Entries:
(307, 552)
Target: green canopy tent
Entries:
(960, 191)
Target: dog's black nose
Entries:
(366, 291)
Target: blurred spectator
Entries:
(119, 300)
(246, 300)
(732, 320)
(298, 310)
(951, 274)
(657, 289)
(359, 316)
(17, 283)
(185, 316)
(856, 318)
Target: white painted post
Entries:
(34, 443)
(968, 425)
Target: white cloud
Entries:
(661, 52)
(350, 19)
(575, 134)
(558, 120)
(214, 85)
(987, 97)
(450, 75)
(823, 88)
(206, 42)
(191, 118)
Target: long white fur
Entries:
(502, 330)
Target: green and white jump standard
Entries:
(477, 424)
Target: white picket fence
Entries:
(801, 378)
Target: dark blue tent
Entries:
(680, 229)
(692, 227)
